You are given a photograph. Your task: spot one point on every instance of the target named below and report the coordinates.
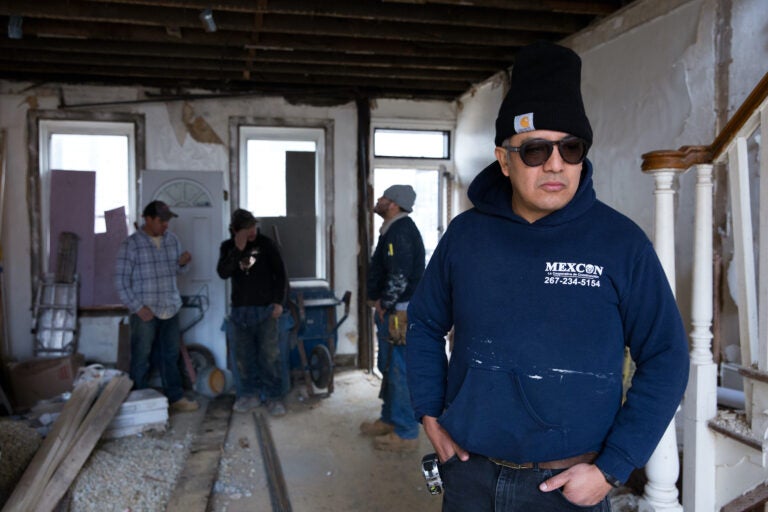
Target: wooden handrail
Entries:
(681, 158)
(687, 156)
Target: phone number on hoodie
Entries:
(572, 281)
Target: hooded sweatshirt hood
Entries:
(491, 193)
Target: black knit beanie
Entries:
(544, 94)
(242, 219)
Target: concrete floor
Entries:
(326, 463)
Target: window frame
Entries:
(241, 129)
(445, 166)
(412, 127)
(39, 123)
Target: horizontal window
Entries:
(390, 142)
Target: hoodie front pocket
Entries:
(492, 415)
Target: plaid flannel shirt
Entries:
(145, 275)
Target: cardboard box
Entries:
(42, 378)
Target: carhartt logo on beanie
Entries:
(544, 94)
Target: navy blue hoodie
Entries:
(542, 312)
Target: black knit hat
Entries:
(242, 219)
(544, 94)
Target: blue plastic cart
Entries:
(314, 334)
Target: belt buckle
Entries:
(511, 465)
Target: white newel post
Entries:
(700, 403)
(663, 468)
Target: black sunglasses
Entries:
(535, 152)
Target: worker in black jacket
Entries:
(395, 269)
(254, 264)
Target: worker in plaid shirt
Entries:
(145, 277)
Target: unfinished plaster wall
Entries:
(17, 293)
(659, 96)
(475, 132)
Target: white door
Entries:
(197, 198)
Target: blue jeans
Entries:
(396, 409)
(253, 338)
(483, 486)
(156, 341)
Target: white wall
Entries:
(475, 133)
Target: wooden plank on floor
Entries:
(193, 488)
(278, 491)
(88, 434)
(53, 449)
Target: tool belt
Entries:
(586, 458)
(398, 326)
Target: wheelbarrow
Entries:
(315, 333)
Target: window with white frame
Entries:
(282, 179)
(416, 154)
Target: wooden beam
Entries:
(285, 24)
(285, 41)
(349, 11)
(53, 449)
(46, 50)
(88, 434)
(587, 7)
(320, 93)
(194, 485)
(199, 68)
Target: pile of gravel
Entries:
(18, 444)
(135, 473)
(131, 473)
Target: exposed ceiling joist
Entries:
(435, 49)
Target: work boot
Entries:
(394, 443)
(184, 405)
(246, 403)
(376, 428)
(276, 408)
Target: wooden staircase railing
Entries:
(700, 488)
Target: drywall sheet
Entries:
(107, 245)
(72, 201)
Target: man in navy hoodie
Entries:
(396, 267)
(544, 286)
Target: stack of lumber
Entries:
(68, 445)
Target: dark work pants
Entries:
(166, 337)
(480, 485)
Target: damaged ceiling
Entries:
(317, 51)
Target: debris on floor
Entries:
(327, 465)
(18, 444)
